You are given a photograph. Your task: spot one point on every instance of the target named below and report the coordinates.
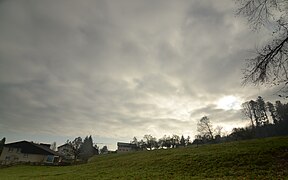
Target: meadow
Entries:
(253, 159)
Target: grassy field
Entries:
(253, 159)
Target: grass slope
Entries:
(253, 159)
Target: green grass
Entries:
(253, 159)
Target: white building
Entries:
(126, 147)
(24, 151)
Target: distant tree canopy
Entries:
(86, 149)
(258, 112)
(182, 141)
(165, 142)
(270, 64)
(267, 119)
(104, 150)
(151, 142)
(83, 149)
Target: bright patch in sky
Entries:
(229, 102)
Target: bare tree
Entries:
(204, 127)
(150, 141)
(175, 140)
(75, 146)
(271, 61)
(218, 131)
(247, 110)
(165, 141)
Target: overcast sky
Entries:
(118, 69)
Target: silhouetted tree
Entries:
(165, 141)
(135, 141)
(204, 127)
(142, 144)
(264, 128)
(175, 140)
(86, 149)
(273, 113)
(161, 143)
(261, 108)
(282, 110)
(270, 63)
(156, 144)
(182, 141)
(104, 150)
(255, 111)
(198, 140)
(241, 134)
(2, 143)
(95, 149)
(187, 141)
(150, 141)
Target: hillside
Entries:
(262, 158)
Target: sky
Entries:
(118, 69)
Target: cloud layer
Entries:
(120, 69)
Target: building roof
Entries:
(32, 148)
(46, 145)
(126, 145)
(66, 144)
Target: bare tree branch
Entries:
(270, 64)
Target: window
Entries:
(7, 158)
(10, 149)
(18, 150)
(25, 155)
(50, 158)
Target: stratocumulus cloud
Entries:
(120, 69)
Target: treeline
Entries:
(207, 134)
(257, 111)
(267, 119)
(149, 142)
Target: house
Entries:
(126, 147)
(24, 151)
(66, 151)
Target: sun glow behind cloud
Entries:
(229, 103)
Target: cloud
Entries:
(120, 69)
